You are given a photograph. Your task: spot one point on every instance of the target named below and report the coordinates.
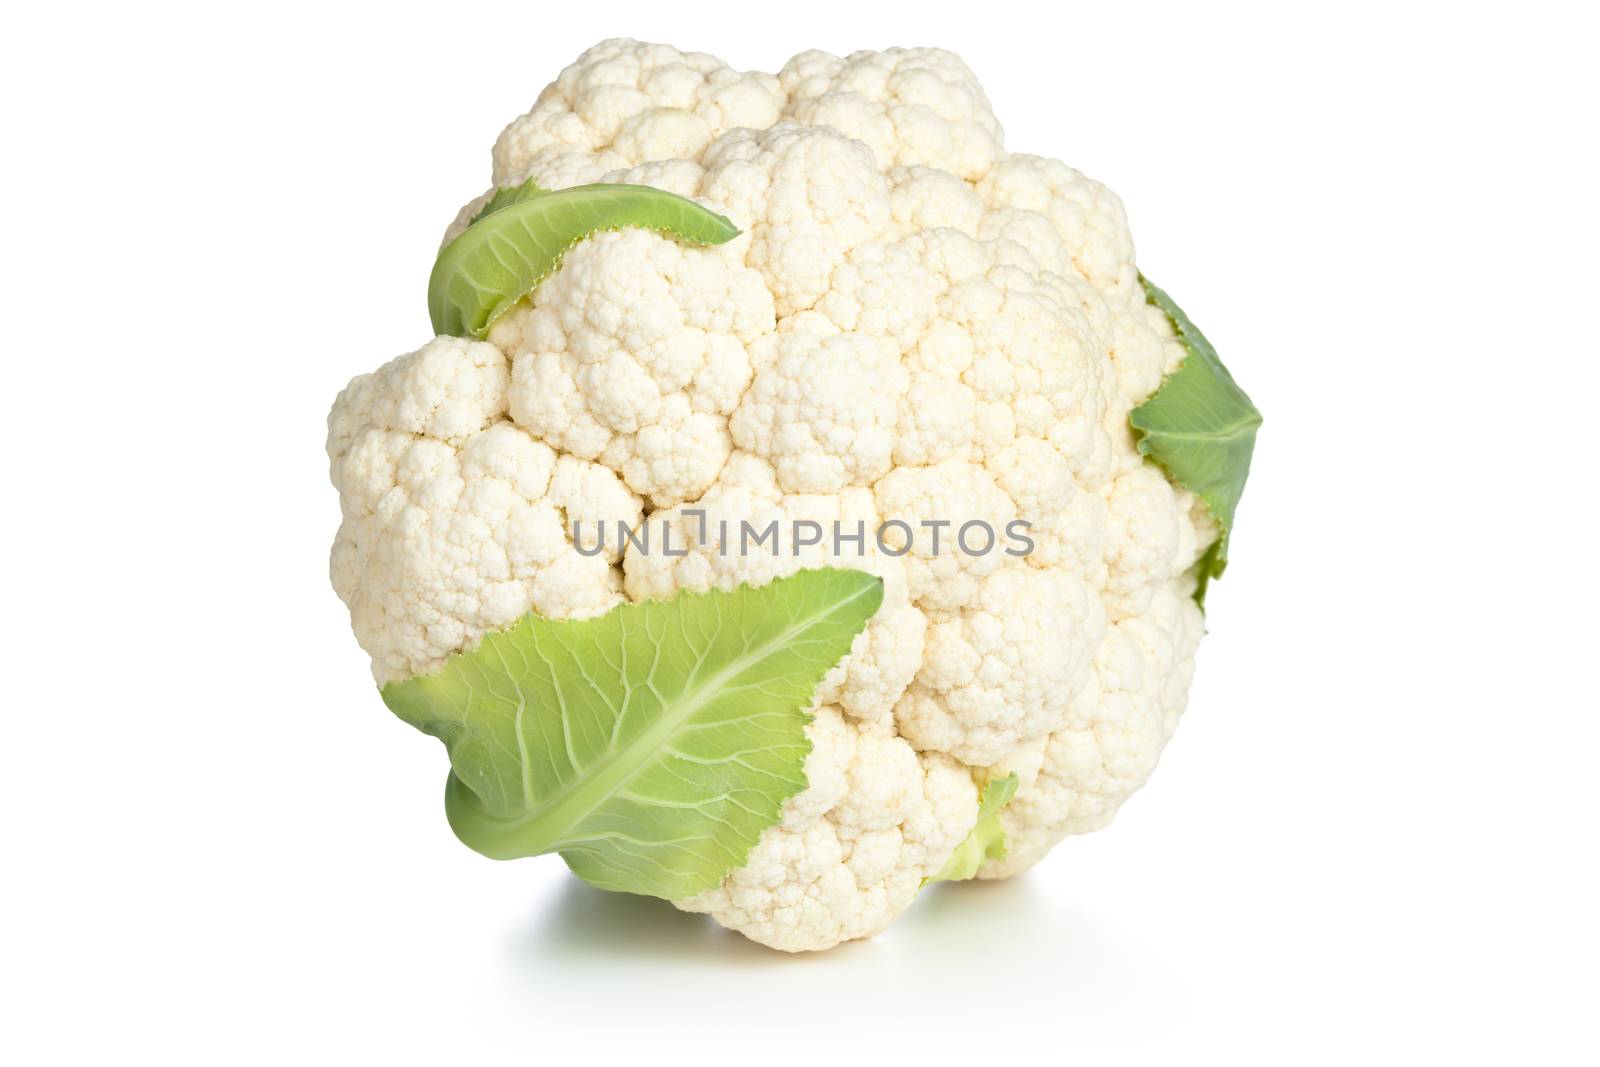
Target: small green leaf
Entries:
(506, 196)
(986, 841)
(650, 746)
(521, 234)
(1201, 428)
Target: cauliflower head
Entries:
(913, 326)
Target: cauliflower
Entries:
(916, 335)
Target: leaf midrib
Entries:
(1230, 432)
(567, 807)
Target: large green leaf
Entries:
(521, 234)
(1201, 428)
(650, 746)
(986, 841)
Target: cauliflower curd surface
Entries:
(915, 324)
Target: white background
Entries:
(1372, 839)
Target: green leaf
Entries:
(1201, 428)
(987, 841)
(521, 234)
(506, 196)
(650, 746)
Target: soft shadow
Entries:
(1018, 913)
(585, 923)
(584, 951)
(947, 924)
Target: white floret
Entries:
(909, 105)
(1089, 218)
(822, 409)
(1001, 671)
(452, 524)
(634, 354)
(924, 198)
(1112, 734)
(638, 101)
(1144, 538)
(853, 848)
(931, 504)
(807, 195)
